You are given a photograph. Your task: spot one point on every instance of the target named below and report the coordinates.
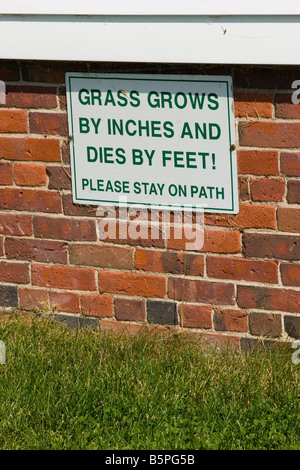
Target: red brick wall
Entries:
(245, 281)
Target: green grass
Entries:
(86, 389)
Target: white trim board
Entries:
(256, 39)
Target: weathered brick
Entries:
(249, 216)
(266, 298)
(195, 316)
(130, 234)
(162, 313)
(30, 200)
(251, 104)
(243, 184)
(48, 123)
(63, 277)
(285, 108)
(13, 120)
(269, 245)
(270, 134)
(1, 245)
(216, 241)
(97, 305)
(15, 224)
(242, 269)
(77, 209)
(292, 326)
(231, 320)
(30, 174)
(119, 327)
(10, 72)
(258, 162)
(75, 321)
(14, 272)
(30, 149)
(6, 174)
(288, 219)
(290, 163)
(65, 301)
(20, 96)
(169, 262)
(29, 249)
(63, 228)
(59, 177)
(219, 293)
(102, 256)
(43, 73)
(293, 194)
(8, 296)
(33, 298)
(267, 189)
(144, 285)
(130, 309)
(265, 324)
(290, 275)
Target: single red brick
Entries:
(101, 255)
(285, 108)
(268, 245)
(28, 249)
(265, 324)
(33, 298)
(130, 309)
(145, 285)
(192, 290)
(268, 298)
(48, 123)
(15, 224)
(231, 320)
(97, 305)
(290, 163)
(63, 228)
(249, 216)
(288, 219)
(258, 162)
(270, 134)
(64, 277)
(20, 96)
(249, 104)
(59, 177)
(242, 269)
(6, 174)
(65, 301)
(14, 272)
(290, 274)
(13, 120)
(221, 241)
(267, 189)
(293, 195)
(30, 174)
(30, 149)
(30, 200)
(195, 316)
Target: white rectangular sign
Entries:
(159, 141)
